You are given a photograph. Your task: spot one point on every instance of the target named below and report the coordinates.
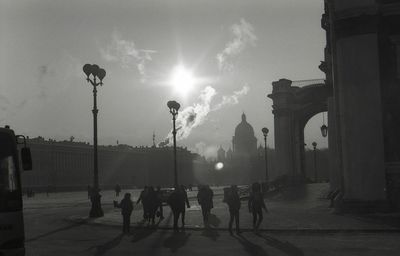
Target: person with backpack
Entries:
(233, 200)
(256, 205)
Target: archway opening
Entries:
(316, 162)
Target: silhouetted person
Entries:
(205, 199)
(117, 189)
(160, 206)
(152, 201)
(95, 199)
(126, 206)
(233, 201)
(143, 198)
(177, 201)
(256, 204)
(211, 195)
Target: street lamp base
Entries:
(96, 211)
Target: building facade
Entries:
(68, 165)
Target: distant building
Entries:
(68, 165)
(244, 142)
(242, 163)
(221, 155)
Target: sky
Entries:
(230, 51)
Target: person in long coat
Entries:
(143, 199)
(205, 200)
(256, 205)
(177, 201)
(126, 206)
(153, 204)
(233, 201)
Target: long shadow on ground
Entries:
(285, 247)
(176, 240)
(251, 248)
(142, 232)
(213, 220)
(210, 233)
(56, 231)
(103, 248)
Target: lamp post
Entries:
(315, 162)
(173, 109)
(265, 132)
(94, 72)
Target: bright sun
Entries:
(182, 80)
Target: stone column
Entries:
(358, 81)
(283, 127)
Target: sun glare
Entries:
(219, 166)
(182, 80)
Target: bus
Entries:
(12, 235)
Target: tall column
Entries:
(283, 128)
(359, 98)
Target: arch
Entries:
(294, 103)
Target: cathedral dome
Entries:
(244, 129)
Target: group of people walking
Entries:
(152, 204)
(178, 201)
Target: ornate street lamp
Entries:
(265, 133)
(173, 109)
(324, 128)
(314, 144)
(94, 72)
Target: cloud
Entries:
(192, 116)
(128, 55)
(195, 115)
(232, 99)
(243, 36)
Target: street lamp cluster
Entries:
(94, 73)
